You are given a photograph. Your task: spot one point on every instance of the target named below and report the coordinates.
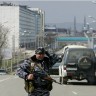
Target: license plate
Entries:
(71, 68)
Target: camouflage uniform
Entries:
(40, 85)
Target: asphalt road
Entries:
(13, 86)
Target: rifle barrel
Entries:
(55, 81)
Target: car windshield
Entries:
(56, 64)
(74, 55)
(2, 70)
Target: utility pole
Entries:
(11, 66)
(13, 39)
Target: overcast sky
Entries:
(63, 11)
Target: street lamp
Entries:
(24, 45)
(24, 38)
(85, 34)
(92, 30)
(92, 39)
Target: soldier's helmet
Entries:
(40, 50)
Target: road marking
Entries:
(4, 79)
(74, 92)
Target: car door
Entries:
(62, 67)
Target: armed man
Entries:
(33, 71)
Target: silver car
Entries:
(3, 72)
(78, 63)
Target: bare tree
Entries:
(3, 41)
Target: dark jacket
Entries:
(23, 70)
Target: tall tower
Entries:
(74, 26)
(84, 26)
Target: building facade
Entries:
(24, 25)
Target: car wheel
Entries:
(60, 80)
(91, 80)
(65, 79)
(84, 62)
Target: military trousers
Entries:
(39, 92)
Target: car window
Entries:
(64, 57)
(2, 70)
(74, 55)
(56, 65)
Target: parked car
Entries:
(55, 69)
(78, 63)
(3, 72)
(72, 46)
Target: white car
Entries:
(79, 63)
(3, 72)
(72, 46)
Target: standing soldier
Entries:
(36, 82)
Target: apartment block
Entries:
(25, 25)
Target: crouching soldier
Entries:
(37, 83)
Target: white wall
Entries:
(9, 17)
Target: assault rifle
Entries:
(29, 85)
(44, 73)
